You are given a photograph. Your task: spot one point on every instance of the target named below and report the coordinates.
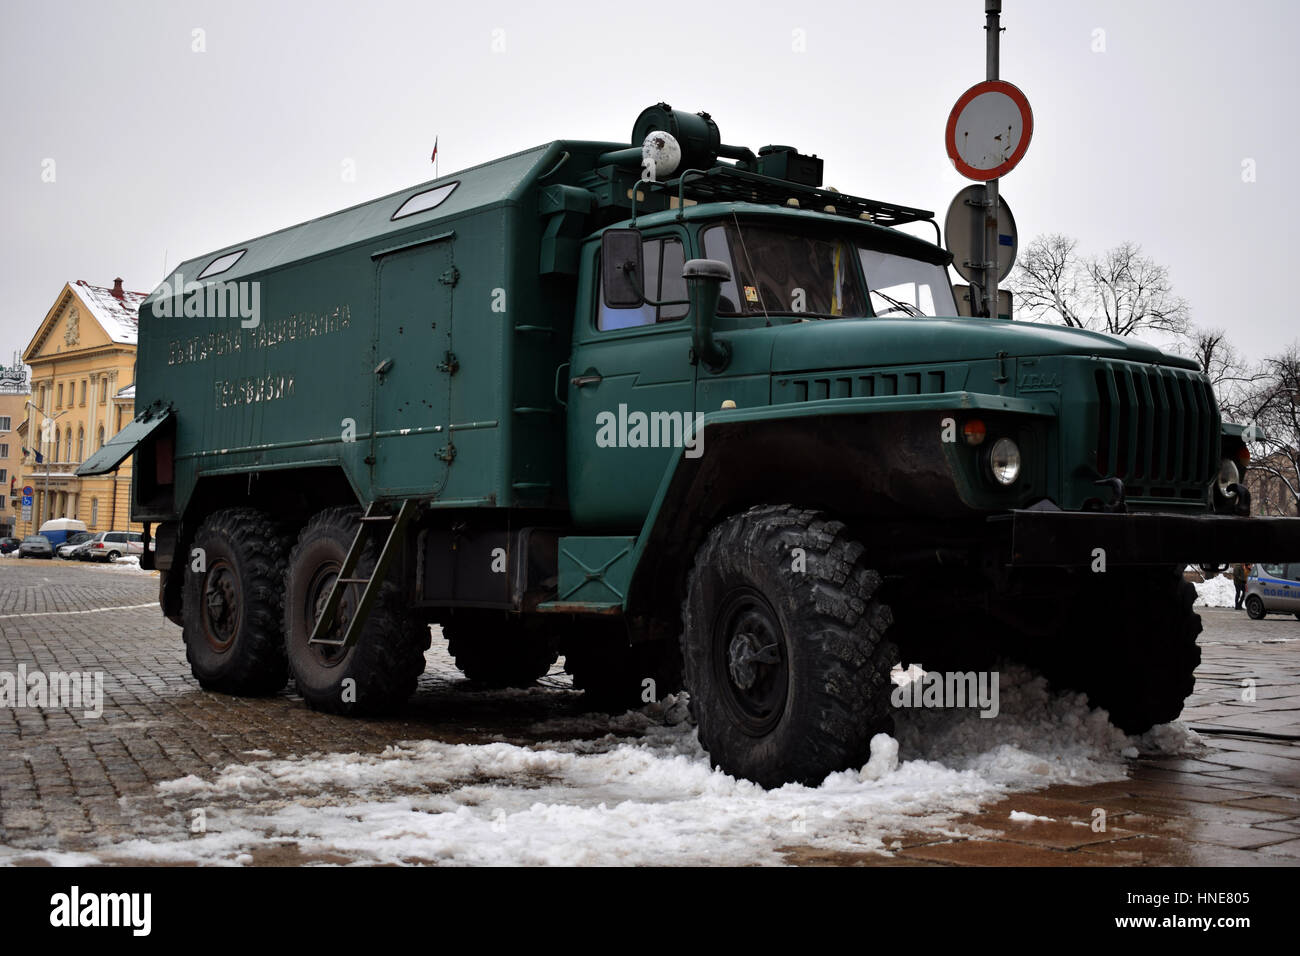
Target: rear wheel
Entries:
(784, 649)
(1255, 608)
(499, 650)
(377, 673)
(231, 608)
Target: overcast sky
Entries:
(162, 153)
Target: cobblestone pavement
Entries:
(69, 781)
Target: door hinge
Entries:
(450, 277)
(447, 452)
(449, 364)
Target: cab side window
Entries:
(663, 260)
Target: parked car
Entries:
(35, 546)
(57, 530)
(75, 543)
(111, 545)
(9, 545)
(1273, 589)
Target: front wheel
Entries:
(1130, 644)
(1255, 608)
(377, 673)
(783, 647)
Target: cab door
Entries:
(631, 389)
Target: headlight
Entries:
(1228, 475)
(1004, 461)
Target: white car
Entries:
(111, 545)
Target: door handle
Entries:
(591, 378)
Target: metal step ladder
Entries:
(372, 524)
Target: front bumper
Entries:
(1071, 539)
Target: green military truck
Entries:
(685, 415)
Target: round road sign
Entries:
(963, 232)
(989, 130)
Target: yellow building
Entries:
(14, 394)
(83, 389)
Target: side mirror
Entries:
(621, 272)
(704, 278)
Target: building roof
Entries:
(127, 392)
(119, 317)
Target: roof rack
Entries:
(728, 184)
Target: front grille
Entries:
(1158, 429)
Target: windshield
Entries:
(782, 271)
(902, 286)
(776, 270)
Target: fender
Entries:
(752, 455)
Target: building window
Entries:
(67, 445)
(83, 391)
(94, 512)
(4, 476)
(4, 451)
(6, 423)
(55, 456)
(103, 390)
(101, 438)
(81, 444)
(59, 403)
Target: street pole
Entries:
(45, 505)
(992, 29)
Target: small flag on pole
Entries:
(434, 157)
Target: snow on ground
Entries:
(127, 563)
(1216, 592)
(634, 789)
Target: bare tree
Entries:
(1122, 291)
(1273, 430)
(1235, 381)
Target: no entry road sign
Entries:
(989, 130)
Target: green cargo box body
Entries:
(381, 348)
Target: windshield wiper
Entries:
(905, 308)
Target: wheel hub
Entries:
(221, 605)
(747, 651)
(318, 595)
(750, 661)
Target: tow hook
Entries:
(1118, 506)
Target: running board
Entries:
(372, 522)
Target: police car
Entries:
(1273, 589)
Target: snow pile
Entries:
(127, 562)
(635, 789)
(1216, 592)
